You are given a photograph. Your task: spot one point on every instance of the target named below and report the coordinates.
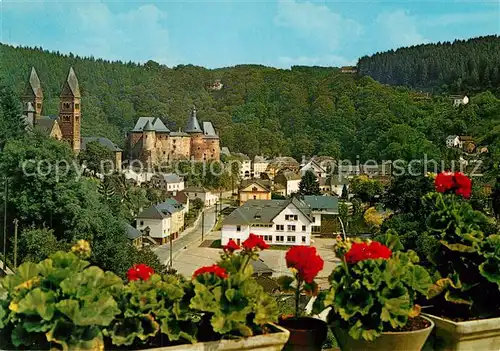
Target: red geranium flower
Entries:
(231, 246)
(457, 182)
(140, 271)
(444, 181)
(305, 260)
(364, 251)
(218, 271)
(254, 241)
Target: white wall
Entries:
(159, 228)
(175, 186)
(208, 198)
(258, 168)
(246, 169)
(292, 186)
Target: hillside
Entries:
(464, 66)
(260, 110)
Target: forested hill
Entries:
(464, 66)
(260, 110)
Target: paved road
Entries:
(187, 237)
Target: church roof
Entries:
(156, 122)
(71, 86)
(29, 107)
(103, 141)
(208, 128)
(34, 86)
(148, 127)
(193, 125)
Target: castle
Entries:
(153, 143)
(67, 125)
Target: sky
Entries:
(278, 33)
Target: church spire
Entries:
(33, 93)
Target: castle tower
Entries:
(149, 141)
(30, 113)
(33, 93)
(69, 111)
(196, 133)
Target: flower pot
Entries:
(273, 341)
(406, 340)
(306, 333)
(482, 334)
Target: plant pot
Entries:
(272, 341)
(407, 340)
(306, 333)
(482, 334)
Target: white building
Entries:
(279, 222)
(289, 180)
(259, 166)
(138, 177)
(208, 198)
(453, 141)
(459, 100)
(314, 167)
(170, 182)
(156, 223)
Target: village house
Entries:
(181, 197)
(216, 85)
(333, 185)
(176, 211)
(459, 100)
(349, 69)
(314, 167)
(134, 235)
(203, 194)
(453, 141)
(281, 163)
(278, 222)
(289, 180)
(320, 206)
(151, 142)
(253, 190)
(169, 182)
(155, 223)
(259, 166)
(245, 165)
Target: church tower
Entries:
(33, 94)
(194, 130)
(69, 111)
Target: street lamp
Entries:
(343, 229)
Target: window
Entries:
(303, 228)
(77, 107)
(255, 197)
(238, 228)
(254, 188)
(314, 219)
(164, 152)
(268, 238)
(66, 118)
(315, 229)
(291, 217)
(66, 105)
(280, 238)
(77, 118)
(280, 227)
(290, 239)
(142, 222)
(303, 239)
(174, 141)
(38, 106)
(290, 228)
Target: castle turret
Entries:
(149, 136)
(193, 128)
(33, 93)
(69, 111)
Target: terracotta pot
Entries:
(266, 342)
(394, 341)
(482, 334)
(306, 333)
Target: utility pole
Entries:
(202, 224)
(16, 222)
(170, 240)
(5, 223)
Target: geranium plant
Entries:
(231, 301)
(61, 300)
(374, 289)
(305, 264)
(467, 257)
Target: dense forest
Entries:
(263, 110)
(463, 66)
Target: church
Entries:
(153, 143)
(67, 125)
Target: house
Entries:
(467, 143)
(313, 166)
(453, 141)
(347, 170)
(459, 100)
(349, 69)
(278, 222)
(112, 147)
(169, 182)
(181, 197)
(245, 165)
(290, 180)
(333, 184)
(259, 165)
(138, 177)
(177, 212)
(216, 85)
(282, 163)
(155, 223)
(376, 170)
(253, 190)
(319, 206)
(201, 193)
(134, 235)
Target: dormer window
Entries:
(254, 188)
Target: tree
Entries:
(495, 198)
(309, 184)
(12, 126)
(345, 193)
(97, 158)
(36, 245)
(366, 189)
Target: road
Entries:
(187, 237)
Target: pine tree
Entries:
(309, 184)
(12, 126)
(106, 189)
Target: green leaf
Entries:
(458, 247)
(37, 302)
(391, 240)
(285, 282)
(456, 297)
(490, 269)
(396, 305)
(100, 312)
